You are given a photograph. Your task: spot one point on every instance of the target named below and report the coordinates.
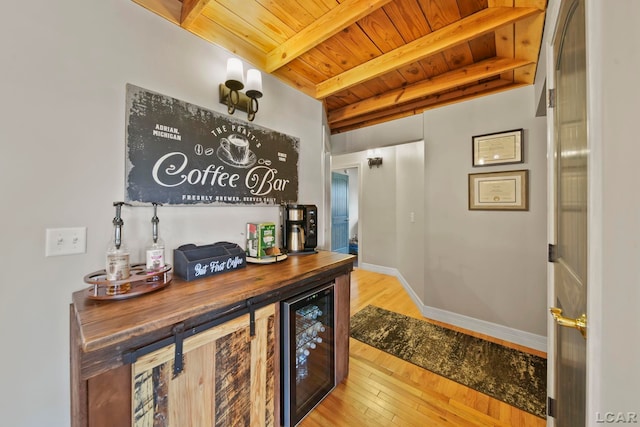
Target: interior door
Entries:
(339, 212)
(570, 214)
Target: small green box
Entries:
(260, 236)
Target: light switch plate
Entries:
(66, 241)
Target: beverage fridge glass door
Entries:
(308, 373)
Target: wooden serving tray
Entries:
(139, 283)
(267, 259)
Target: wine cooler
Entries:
(308, 373)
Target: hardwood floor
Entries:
(382, 390)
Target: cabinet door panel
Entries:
(228, 378)
(263, 360)
(232, 379)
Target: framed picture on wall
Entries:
(498, 148)
(500, 191)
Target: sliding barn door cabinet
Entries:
(199, 353)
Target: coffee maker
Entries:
(300, 229)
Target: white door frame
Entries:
(593, 28)
(551, 218)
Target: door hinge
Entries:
(551, 407)
(551, 96)
(553, 253)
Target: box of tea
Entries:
(260, 236)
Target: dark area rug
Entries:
(514, 377)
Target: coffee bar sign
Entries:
(182, 154)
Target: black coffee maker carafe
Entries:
(300, 229)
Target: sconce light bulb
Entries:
(234, 74)
(254, 83)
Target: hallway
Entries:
(382, 390)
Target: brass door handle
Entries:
(580, 323)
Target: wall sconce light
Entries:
(374, 158)
(230, 91)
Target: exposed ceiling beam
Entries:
(504, 37)
(190, 11)
(527, 45)
(446, 81)
(418, 106)
(479, 23)
(168, 9)
(320, 30)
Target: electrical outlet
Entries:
(66, 241)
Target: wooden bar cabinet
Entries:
(198, 353)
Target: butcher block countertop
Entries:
(116, 325)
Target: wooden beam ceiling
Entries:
(452, 35)
(369, 61)
(329, 24)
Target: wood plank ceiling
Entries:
(370, 61)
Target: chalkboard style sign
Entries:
(182, 154)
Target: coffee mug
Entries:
(237, 148)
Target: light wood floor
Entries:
(382, 390)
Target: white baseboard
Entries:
(516, 336)
(395, 273)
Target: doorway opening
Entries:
(344, 211)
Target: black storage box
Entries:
(195, 262)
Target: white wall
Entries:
(487, 265)
(62, 115)
(405, 130)
(410, 214)
(389, 195)
(378, 211)
(613, 348)
(483, 270)
(376, 214)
